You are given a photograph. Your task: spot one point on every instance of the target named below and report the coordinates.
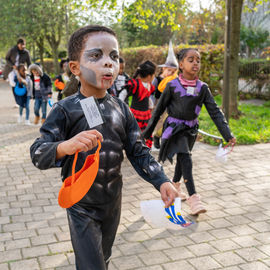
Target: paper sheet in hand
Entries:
(91, 112)
(154, 212)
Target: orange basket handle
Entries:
(75, 161)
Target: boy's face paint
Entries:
(99, 60)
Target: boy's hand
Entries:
(83, 141)
(168, 193)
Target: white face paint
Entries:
(99, 60)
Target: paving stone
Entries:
(156, 244)
(25, 264)
(228, 258)
(202, 249)
(10, 255)
(224, 245)
(153, 257)
(4, 266)
(43, 239)
(178, 265)
(242, 230)
(61, 247)
(254, 266)
(204, 263)
(35, 251)
(201, 237)
(20, 243)
(251, 254)
(127, 262)
(261, 226)
(179, 253)
(222, 233)
(53, 261)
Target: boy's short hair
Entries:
(21, 41)
(121, 60)
(77, 39)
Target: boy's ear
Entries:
(74, 67)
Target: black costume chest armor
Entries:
(120, 132)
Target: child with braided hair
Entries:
(183, 98)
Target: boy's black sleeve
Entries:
(158, 111)
(217, 115)
(139, 154)
(43, 150)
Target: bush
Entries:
(48, 65)
(211, 60)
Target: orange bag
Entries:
(78, 184)
(59, 85)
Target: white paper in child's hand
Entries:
(154, 212)
(91, 112)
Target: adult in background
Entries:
(15, 56)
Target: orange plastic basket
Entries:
(78, 184)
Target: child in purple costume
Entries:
(183, 98)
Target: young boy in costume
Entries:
(93, 221)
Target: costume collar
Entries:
(186, 82)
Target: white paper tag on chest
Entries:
(91, 112)
(190, 90)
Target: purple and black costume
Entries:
(181, 126)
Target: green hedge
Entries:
(212, 57)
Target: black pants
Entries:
(183, 168)
(92, 234)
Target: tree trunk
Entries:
(55, 58)
(40, 45)
(234, 57)
(54, 44)
(231, 61)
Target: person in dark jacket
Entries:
(93, 221)
(42, 91)
(15, 56)
(183, 98)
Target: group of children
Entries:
(94, 59)
(37, 85)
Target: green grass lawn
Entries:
(252, 127)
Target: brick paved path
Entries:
(234, 234)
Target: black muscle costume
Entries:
(93, 221)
